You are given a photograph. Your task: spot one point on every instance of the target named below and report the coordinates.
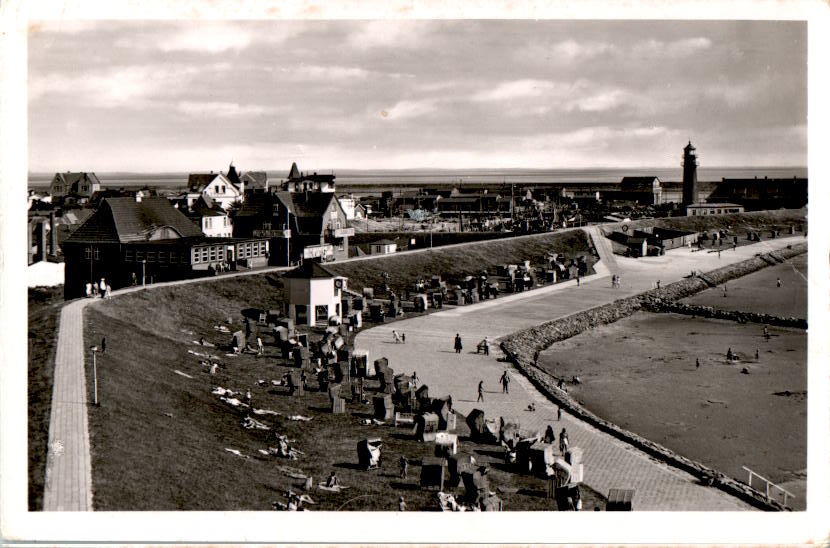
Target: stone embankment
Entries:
(520, 349)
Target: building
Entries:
(250, 182)
(759, 194)
(689, 175)
(305, 225)
(314, 294)
(354, 210)
(383, 247)
(76, 187)
(305, 182)
(129, 240)
(215, 186)
(643, 190)
(713, 209)
(212, 220)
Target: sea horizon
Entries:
(427, 176)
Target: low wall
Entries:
(520, 348)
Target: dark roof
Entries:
(308, 209)
(256, 205)
(255, 180)
(125, 220)
(384, 242)
(233, 176)
(196, 182)
(636, 241)
(294, 172)
(311, 269)
(205, 207)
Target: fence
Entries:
(768, 485)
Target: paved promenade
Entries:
(609, 462)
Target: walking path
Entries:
(68, 469)
(609, 462)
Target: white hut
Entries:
(314, 294)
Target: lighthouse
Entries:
(689, 174)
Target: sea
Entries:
(429, 177)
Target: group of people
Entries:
(400, 338)
(504, 380)
(615, 281)
(98, 289)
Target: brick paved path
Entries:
(609, 462)
(68, 471)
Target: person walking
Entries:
(559, 414)
(401, 504)
(458, 343)
(697, 363)
(757, 355)
(778, 282)
(403, 338)
(486, 345)
(404, 466)
(505, 383)
(480, 391)
(103, 344)
(260, 349)
(563, 441)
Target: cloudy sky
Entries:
(186, 96)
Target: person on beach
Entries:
(778, 282)
(697, 363)
(486, 346)
(563, 441)
(505, 383)
(396, 337)
(403, 338)
(401, 504)
(729, 355)
(480, 391)
(103, 344)
(457, 343)
(766, 332)
(404, 466)
(559, 414)
(757, 355)
(260, 349)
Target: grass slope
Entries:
(456, 262)
(44, 317)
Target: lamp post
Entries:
(143, 272)
(95, 373)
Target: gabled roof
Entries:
(308, 209)
(294, 172)
(256, 205)
(205, 207)
(121, 220)
(255, 179)
(196, 182)
(311, 270)
(74, 178)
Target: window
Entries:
(207, 222)
(256, 250)
(212, 253)
(174, 257)
(340, 245)
(129, 255)
(266, 225)
(263, 248)
(248, 250)
(162, 256)
(220, 253)
(195, 255)
(88, 253)
(151, 256)
(97, 254)
(139, 256)
(204, 254)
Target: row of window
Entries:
(210, 254)
(153, 256)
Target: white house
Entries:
(383, 247)
(349, 205)
(314, 294)
(215, 186)
(712, 209)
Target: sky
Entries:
(157, 96)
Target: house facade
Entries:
(314, 294)
(712, 209)
(383, 247)
(74, 186)
(298, 181)
(216, 186)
